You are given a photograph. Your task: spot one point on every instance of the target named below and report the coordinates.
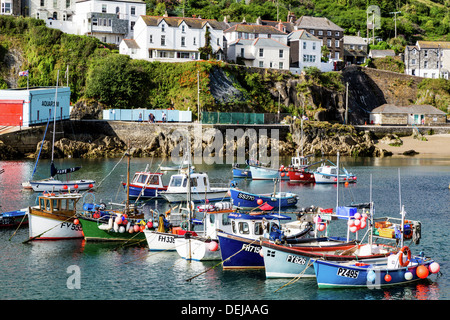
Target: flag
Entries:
(23, 73)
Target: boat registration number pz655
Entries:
(348, 273)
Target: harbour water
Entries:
(42, 270)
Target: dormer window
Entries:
(182, 29)
(163, 28)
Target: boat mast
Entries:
(54, 116)
(127, 204)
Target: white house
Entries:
(10, 7)
(174, 39)
(260, 52)
(110, 21)
(305, 50)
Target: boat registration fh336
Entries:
(348, 273)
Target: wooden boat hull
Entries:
(51, 185)
(261, 173)
(247, 200)
(197, 248)
(149, 192)
(331, 274)
(161, 241)
(292, 261)
(301, 176)
(92, 232)
(14, 218)
(239, 253)
(242, 173)
(212, 195)
(53, 227)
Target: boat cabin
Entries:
(199, 182)
(299, 162)
(65, 203)
(255, 226)
(148, 179)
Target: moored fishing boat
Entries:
(241, 247)
(264, 173)
(248, 200)
(14, 218)
(53, 218)
(200, 188)
(243, 172)
(388, 272)
(102, 224)
(399, 268)
(205, 245)
(329, 174)
(146, 185)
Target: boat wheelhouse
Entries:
(146, 185)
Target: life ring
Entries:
(405, 249)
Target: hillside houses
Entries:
(428, 59)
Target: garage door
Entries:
(11, 112)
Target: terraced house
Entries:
(175, 39)
(428, 59)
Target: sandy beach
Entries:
(437, 144)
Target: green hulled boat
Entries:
(105, 228)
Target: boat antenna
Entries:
(399, 190)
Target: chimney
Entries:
(291, 17)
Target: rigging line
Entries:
(57, 225)
(20, 224)
(296, 278)
(221, 262)
(39, 154)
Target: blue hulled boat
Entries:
(263, 173)
(146, 185)
(239, 172)
(248, 200)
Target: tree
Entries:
(117, 82)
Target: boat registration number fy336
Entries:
(348, 273)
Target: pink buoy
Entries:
(259, 202)
(136, 228)
(422, 272)
(75, 186)
(213, 246)
(357, 215)
(118, 220)
(131, 230)
(350, 223)
(353, 229)
(363, 224)
(357, 222)
(434, 267)
(91, 185)
(387, 278)
(150, 224)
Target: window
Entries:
(176, 182)
(336, 34)
(425, 64)
(218, 41)
(42, 3)
(151, 38)
(314, 46)
(329, 33)
(183, 41)
(329, 42)
(413, 61)
(239, 35)
(163, 40)
(261, 64)
(336, 43)
(132, 25)
(242, 52)
(195, 41)
(336, 55)
(104, 8)
(183, 29)
(312, 32)
(425, 53)
(259, 230)
(281, 65)
(281, 53)
(133, 10)
(320, 32)
(243, 228)
(304, 44)
(67, 3)
(94, 21)
(163, 28)
(261, 52)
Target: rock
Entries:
(410, 153)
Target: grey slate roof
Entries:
(306, 22)
(414, 109)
